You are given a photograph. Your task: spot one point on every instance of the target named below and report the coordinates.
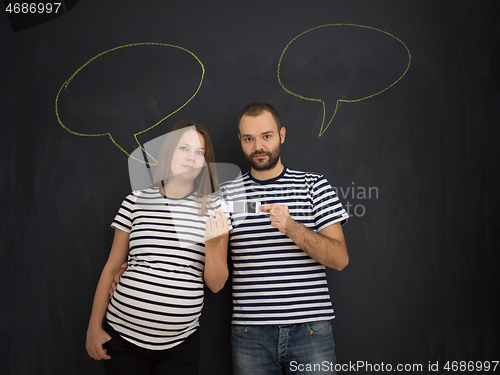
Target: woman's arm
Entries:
(96, 336)
(216, 240)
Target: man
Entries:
(281, 304)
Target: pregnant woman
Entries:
(174, 237)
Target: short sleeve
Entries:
(123, 219)
(327, 208)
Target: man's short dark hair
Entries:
(256, 109)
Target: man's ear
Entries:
(282, 134)
(239, 136)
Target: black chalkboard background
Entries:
(422, 285)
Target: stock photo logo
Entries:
(353, 198)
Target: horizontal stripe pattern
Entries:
(160, 296)
(274, 281)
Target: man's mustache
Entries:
(260, 153)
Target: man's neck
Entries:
(267, 174)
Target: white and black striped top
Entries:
(274, 281)
(160, 296)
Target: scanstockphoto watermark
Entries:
(354, 367)
(351, 196)
(429, 367)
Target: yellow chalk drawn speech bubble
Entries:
(68, 81)
(323, 126)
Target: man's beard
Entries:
(273, 158)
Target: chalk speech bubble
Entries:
(342, 62)
(125, 79)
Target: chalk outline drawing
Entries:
(322, 131)
(67, 82)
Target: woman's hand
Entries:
(96, 337)
(216, 228)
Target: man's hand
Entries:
(326, 247)
(279, 216)
(216, 228)
(116, 280)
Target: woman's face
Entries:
(188, 158)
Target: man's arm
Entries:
(327, 247)
(116, 280)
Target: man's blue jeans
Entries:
(306, 348)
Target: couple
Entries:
(282, 308)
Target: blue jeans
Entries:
(306, 348)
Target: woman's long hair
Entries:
(206, 183)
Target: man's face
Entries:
(261, 141)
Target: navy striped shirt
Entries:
(160, 296)
(274, 281)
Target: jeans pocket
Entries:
(237, 329)
(321, 328)
(107, 344)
